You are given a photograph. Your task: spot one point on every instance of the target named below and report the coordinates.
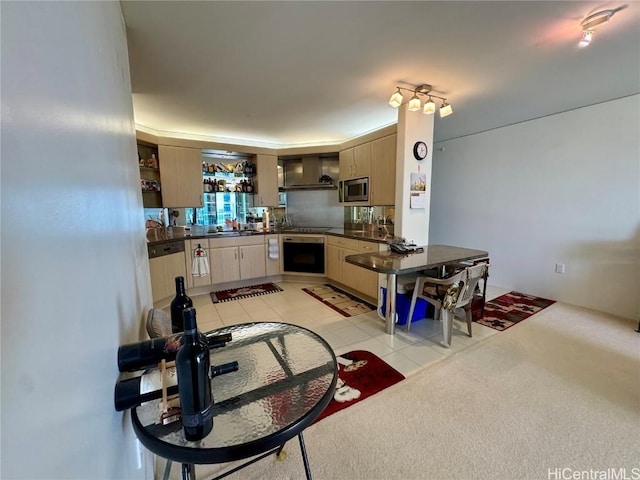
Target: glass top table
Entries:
(393, 264)
(286, 377)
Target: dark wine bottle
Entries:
(148, 353)
(128, 393)
(180, 302)
(194, 383)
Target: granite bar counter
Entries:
(157, 236)
(393, 264)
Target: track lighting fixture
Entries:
(594, 20)
(414, 103)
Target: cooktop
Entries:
(305, 229)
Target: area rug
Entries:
(513, 307)
(344, 303)
(364, 377)
(244, 292)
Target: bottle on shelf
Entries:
(148, 353)
(194, 382)
(179, 303)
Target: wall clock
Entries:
(420, 150)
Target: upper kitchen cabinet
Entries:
(346, 163)
(355, 161)
(181, 172)
(383, 171)
(266, 181)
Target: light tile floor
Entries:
(407, 352)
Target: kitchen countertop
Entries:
(157, 236)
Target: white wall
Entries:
(560, 189)
(75, 281)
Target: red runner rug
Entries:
(368, 374)
(513, 307)
(342, 302)
(244, 292)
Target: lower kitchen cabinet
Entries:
(237, 258)
(252, 261)
(163, 271)
(367, 280)
(337, 269)
(352, 276)
(225, 264)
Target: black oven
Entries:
(303, 253)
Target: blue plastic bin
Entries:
(403, 302)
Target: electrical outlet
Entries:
(559, 267)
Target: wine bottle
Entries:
(179, 303)
(194, 382)
(148, 353)
(129, 393)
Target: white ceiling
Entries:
(296, 73)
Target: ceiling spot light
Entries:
(445, 109)
(594, 20)
(587, 35)
(414, 103)
(425, 90)
(396, 99)
(429, 107)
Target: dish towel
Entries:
(273, 249)
(200, 266)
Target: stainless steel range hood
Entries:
(310, 172)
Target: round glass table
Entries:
(286, 377)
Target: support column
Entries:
(412, 224)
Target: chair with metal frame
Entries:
(447, 295)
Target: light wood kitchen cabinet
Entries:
(367, 280)
(225, 264)
(273, 265)
(383, 171)
(266, 181)
(163, 271)
(190, 247)
(355, 162)
(252, 261)
(362, 160)
(345, 163)
(337, 269)
(237, 258)
(181, 173)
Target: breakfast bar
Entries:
(392, 264)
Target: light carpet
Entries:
(561, 391)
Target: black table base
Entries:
(189, 470)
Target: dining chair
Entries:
(158, 323)
(447, 295)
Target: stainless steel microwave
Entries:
(354, 190)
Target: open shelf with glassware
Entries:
(149, 166)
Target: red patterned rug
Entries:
(364, 377)
(513, 307)
(244, 292)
